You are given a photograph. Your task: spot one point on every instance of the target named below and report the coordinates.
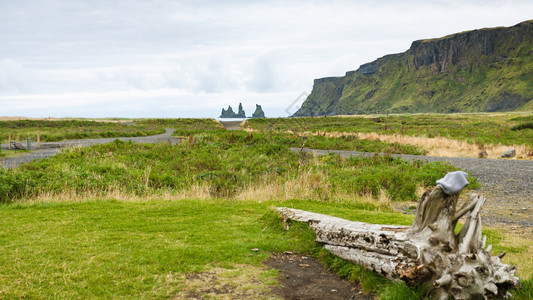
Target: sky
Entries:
(174, 59)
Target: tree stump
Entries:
(457, 265)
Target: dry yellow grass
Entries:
(437, 146)
(308, 186)
(440, 146)
(196, 191)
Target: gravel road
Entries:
(52, 148)
(506, 184)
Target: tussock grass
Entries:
(441, 146)
(441, 135)
(58, 130)
(237, 168)
(310, 186)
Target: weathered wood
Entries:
(427, 251)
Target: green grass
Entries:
(110, 249)
(349, 143)
(225, 168)
(116, 249)
(52, 131)
(478, 129)
(142, 246)
(142, 249)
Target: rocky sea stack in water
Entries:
(229, 113)
(474, 71)
(258, 113)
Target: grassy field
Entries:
(481, 129)
(463, 135)
(144, 249)
(59, 130)
(126, 220)
(220, 164)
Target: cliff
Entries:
(480, 70)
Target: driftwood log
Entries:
(458, 265)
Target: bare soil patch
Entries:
(242, 282)
(303, 277)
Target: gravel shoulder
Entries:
(505, 183)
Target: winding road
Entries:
(52, 148)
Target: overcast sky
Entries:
(163, 58)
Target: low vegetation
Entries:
(53, 131)
(59, 130)
(219, 164)
(435, 135)
(116, 249)
(123, 219)
(480, 129)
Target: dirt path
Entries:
(506, 184)
(303, 277)
(52, 148)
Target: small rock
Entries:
(255, 249)
(333, 290)
(509, 153)
(287, 252)
(303, 265)
(523, 208)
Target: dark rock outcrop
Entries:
(229, 113)
(479, 70)
(258, 113)
(241, 113)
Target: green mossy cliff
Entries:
(480, 70)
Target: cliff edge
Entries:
(482, 70)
